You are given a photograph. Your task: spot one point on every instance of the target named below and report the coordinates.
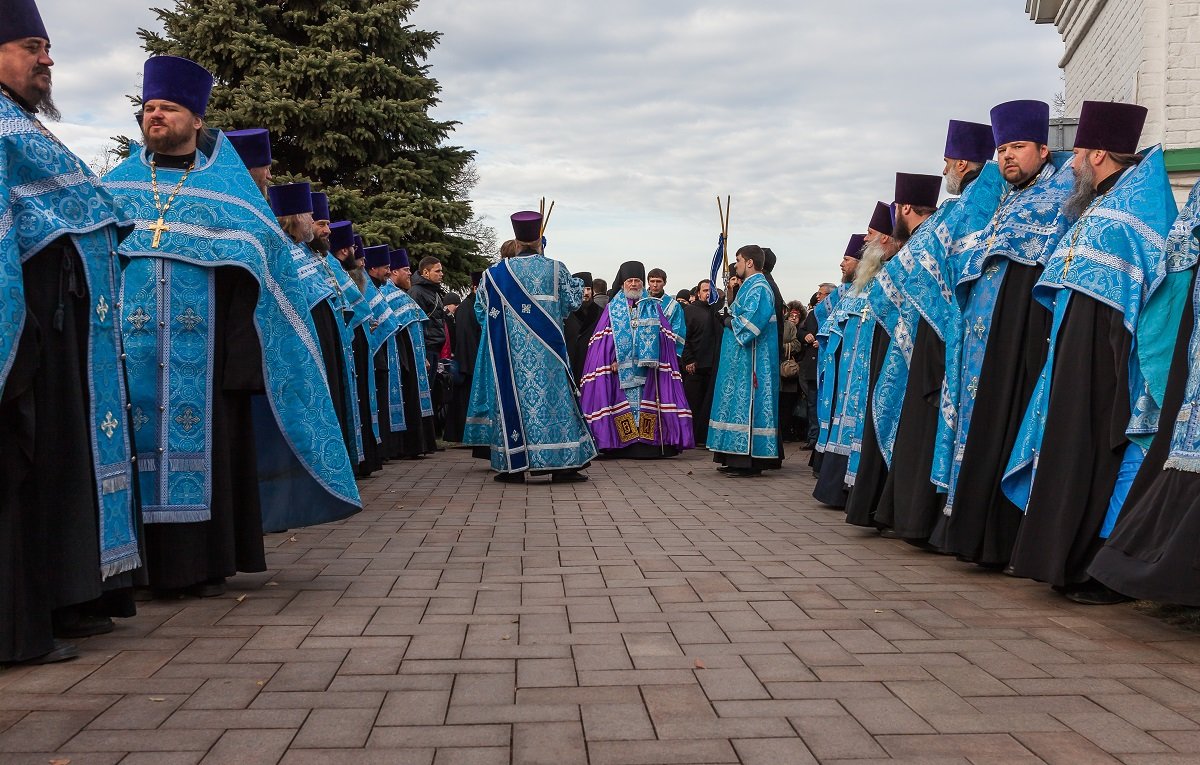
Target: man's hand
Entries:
(691, 368)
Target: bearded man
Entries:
(1089, 419)
(214, 317)
(418, 438)
(915, 201)
(631, 392)
(743, 433)
(68, 529)
(1001, 347)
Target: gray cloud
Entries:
(635, 115)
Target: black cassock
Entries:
(185, 554)
(1082, 448)
(984, 525)
(49, 515)
(910, 503)
(577, 330)
(467, 333)
(372, 450)
(418, 438)
(872, 470)
(330, 340)
(1152, 553)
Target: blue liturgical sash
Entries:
(220, 219)
(1183, 251)
(504, 291)
(409, 318)
(46, 193)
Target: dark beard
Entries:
(170, 144)
(320, 244)
(1082, 195)
(47, 108)
(900, 230)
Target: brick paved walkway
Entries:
(657, 614)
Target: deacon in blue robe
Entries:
(223, 357)
(1151, 552)
(743, 430)
(524, 406)
(389, 395)
(1087, 420)
(67, 521)
(1001, 347)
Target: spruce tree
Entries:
(345, 91)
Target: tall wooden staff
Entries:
(545, 216)
(724, 213)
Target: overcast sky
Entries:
(633, 115)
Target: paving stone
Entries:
(773, 751)
(249, 747)
(335, 729)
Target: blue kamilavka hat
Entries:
(854, 248)
(376, 256)
(178, 80)
(1021, 121)
(917, 189)
(969, 141)
(20, 19)
(341, 235)
(527, 226)
(399, 259)
(253, 145)
(290, 199)
(883, 219)
(1110, 126)
(320, 205)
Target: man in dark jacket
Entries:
(700, 349)
(427, 291)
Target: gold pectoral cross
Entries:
(159, 228)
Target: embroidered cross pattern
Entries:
(102, 308)
(139, 319)
(139, 418)
(187, 419)
(190, 320)
(494, 313)
(110, 425)
(973, 388)
(526, 308)
(515, 436)
(979, 327)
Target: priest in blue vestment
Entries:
(743, 429)
(68, 529)
(524, 407)
(999, 351)
(1093, 413)
(223, 357)
(415, 438)
(896, 340)
(832, 377)
(631, 391)
(1151, 552)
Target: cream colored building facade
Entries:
(1141, 51)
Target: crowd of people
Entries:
(194, 356)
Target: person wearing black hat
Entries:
(700, 351)
(523, 407)
(839, 354)
(253, 145)
(908, 408)
(225, 368)
(580, 325)
(68, 529)
(915, 200)
(1093, 414)
(418, 436)
(292, 204)
(1001, 345)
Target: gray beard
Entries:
(1082, 195)
(954, 183)
(874, 256)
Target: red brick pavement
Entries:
(661, 613)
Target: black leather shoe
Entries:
(60, 652)
(570, 476)
(77, 625)
(213, 588)
(1095, 594)
(509, 477)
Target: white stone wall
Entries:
(1145, 51)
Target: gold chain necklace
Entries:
(159, 228)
